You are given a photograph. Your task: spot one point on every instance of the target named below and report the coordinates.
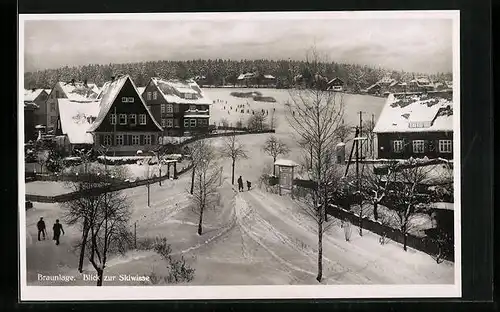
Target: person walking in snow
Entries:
(240, 184)
(57, 228)
(249, 185)
(41, 228)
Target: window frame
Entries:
(191, 107)
(192, 123)
(148, 95)
(445, 143)
(107, 140)
(133, 140)
(176, 123)
(186, 123)
(122, 139)
(155, 95)
(416, 143)
(142, 117)
(112, 119)
(120, 116)
(147, 139)
(163, 109)
(130, 118)
(163, 122)
(170, 123)
(170, 109)
(400, 146)
(131, 99)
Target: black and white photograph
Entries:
(257, 155)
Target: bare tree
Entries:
(86, 210)
(344, 133)
(206, 180)
(374, 185)
(275, 147)
(225, 122)
(109, 231)
(234, 150)
(367, 131)
(315, 115)
(42, 156)
(404, 197)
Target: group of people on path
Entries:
(240, 184)
(57, 229)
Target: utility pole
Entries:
(372, 144)
(361, 133)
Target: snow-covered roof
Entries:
(269, 77)
(32, 94)
(30, 105)
(373, 86)
(76, 118)
(246, 76)
(141, 90)
(108, 95)
(335, 79)
(79, 91)
(416, 113)
(285, 163)
(174, 90)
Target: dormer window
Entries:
(419, 124)
(192, 108)
(187, 95)
(127, 99)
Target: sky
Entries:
(417, 45)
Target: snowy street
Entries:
(252, 237)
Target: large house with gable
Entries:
(416, 125)
(180, 106)
(73, 90)
(124, 124)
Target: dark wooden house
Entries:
(336, 84)
(180, 106)
(30, 133)
(124, 123)
(416, 125)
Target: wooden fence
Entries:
(420, 243)
(116, 186)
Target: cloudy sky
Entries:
(421, 45)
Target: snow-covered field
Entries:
(250, 238)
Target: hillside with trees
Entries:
(218, 72)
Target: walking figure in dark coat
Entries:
(240, 184)
(249, 185)
(41, 228)
(57, 228)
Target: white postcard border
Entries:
(74, 293)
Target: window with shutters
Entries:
(445, 146)
(135, 140)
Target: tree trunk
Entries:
(405, 239)
(375, 211)
(100, 274)
(192, 180)
(201, 221)
(320, 250)
(149, 205)
(232, 173)
(82, 248)
(274, 167)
